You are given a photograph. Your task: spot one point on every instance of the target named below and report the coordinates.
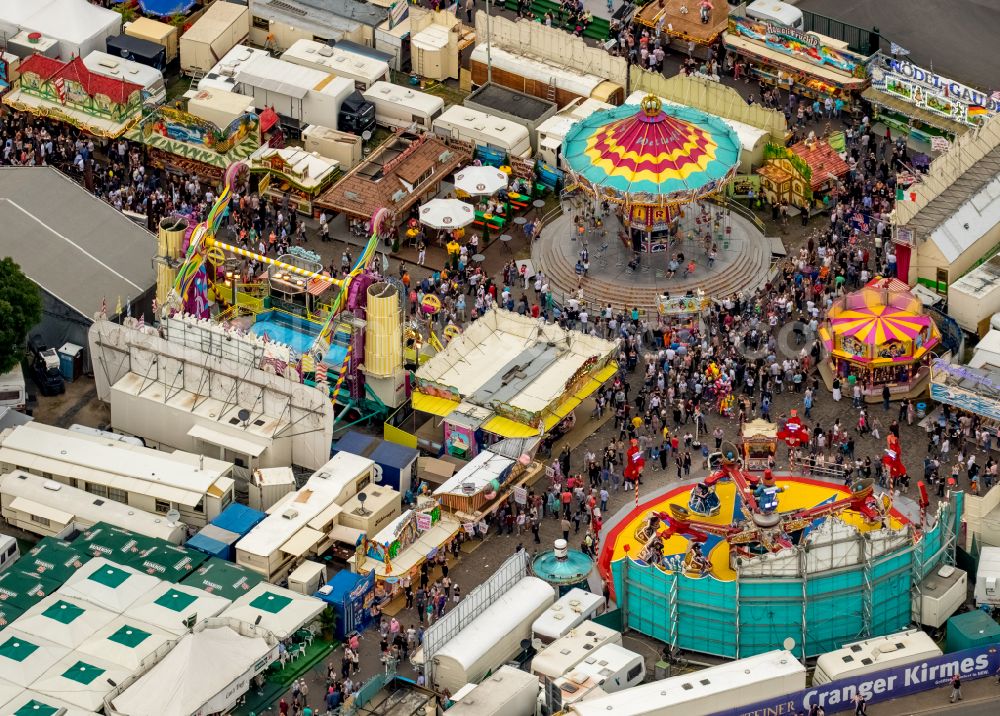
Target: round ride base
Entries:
(742, 263)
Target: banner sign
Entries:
(795, 43)
(520, 496)
(930, 91)
(879, 686)
(398, 11)
(940, 144)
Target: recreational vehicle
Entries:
(484, 130)
(611, 668)
(776, 13)
(49, 508)
(884, 652)
(305, 96)
(154, 90)
(508, 692)
(397, 106)
(534, 77)
(707, 691)
(559, 657)
(299, 524)
(364, 71)
(157, 482)
(493, 637)
(569, 611)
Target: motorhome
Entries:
(884, 652)
(569, 611)
(484, 130)
(397, 106)
(559, 657)
(48, 508)
(364, 71)
(776, 12)
(302, 96)
(9, 552)
(13, 390)
(198, 487)
(707, 691)
(611, 668)
(298, 525)
(493, 637)
(154, 90)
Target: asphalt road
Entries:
(955, 38)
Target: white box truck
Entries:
(364, 71)
(493, 637)
(988, 577)
(223, 26)
(13, 393)
(305, 96)
(508, 692)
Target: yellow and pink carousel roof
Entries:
(652, 154)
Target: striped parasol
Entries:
(876, 325)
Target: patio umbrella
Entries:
(446, 214)
(480, 181)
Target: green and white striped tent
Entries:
(169, 606)
(24, 657)
(32, 703)
(64, 620)
(114, 587)
(280, 611)
(126, 642)
(9, 691)
(81, 679)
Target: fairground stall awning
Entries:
(169, 606)
(277, 610)
(651, 153)
(899, 106)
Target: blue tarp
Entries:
(389, 454)
(355, 443)
(210, 546)
(165, 8)
(239, 519)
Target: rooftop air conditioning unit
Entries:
(290, 514)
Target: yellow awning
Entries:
(507, 428)
(566, 408)
(433, 404)
(588, 388)
(606, 373)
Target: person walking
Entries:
(956, 688)
(470, 8)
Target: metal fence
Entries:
(474, 604)
(858, 39)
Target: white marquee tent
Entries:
(169, 605)
(126, 642)
(32, 702)
(24, 657)
(205, 673)
(79, 26)
(281, 611)
(109, 585)
(82, 680)
(9, 691)
(64, 620)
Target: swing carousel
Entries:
(656, 165)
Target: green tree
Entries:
(20, 309)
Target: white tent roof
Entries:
(478, 473)
(25, 657)
(112, 586)
(200, 668)
(64, 620)
(126, 642)
(281, 611)
(32, 701)
(168, 605)
(74, 20)
(81, 680)
(8, 692)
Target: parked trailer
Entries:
(559, 657)
(484, 130)
(508, 692)
(154, 90)
(364, 71)
(46, 507)
(161, 33)
(884, 652)
(13, 389)
(493, 637)
(223, 75)
(988, 578)
(569, 611)
(612, 668)
(553, 130)
(304, 95)
(397, 106)
(223, 26)
(708, 691)
(138, 50)
(536, 78)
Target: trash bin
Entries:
(921, 409)
(70, 361)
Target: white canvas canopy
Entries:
(79, 26)
(112, 586)
(81, 680)
(169, 605)
(64, 620)
(9, 691)
(281, 611)
(205, 673)
(25, 657)
(30, 702)
(126, 642)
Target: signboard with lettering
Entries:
(875, 687)
(423, 521)
(930, 91)
(795, 43)
(398, 11)
(520, 496)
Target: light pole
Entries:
(489, 57)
